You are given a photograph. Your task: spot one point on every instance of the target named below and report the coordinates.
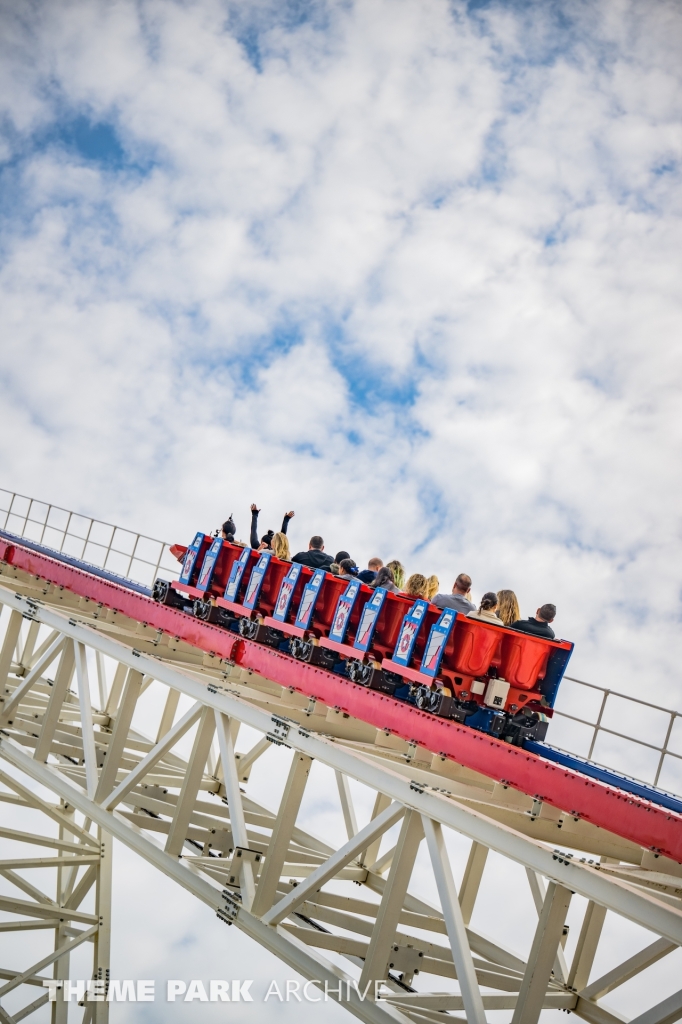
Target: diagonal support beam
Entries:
(628, 969)
(12, 703)
(62, 681)
(347, 807)
(282, 833)
(586, 949)
(47, 642)
(124, 717)
(292, 951)
(538, 890)
(191, 783)
(332, 866)
(666, 1012)
(245, 762)
(67, 947)
(543, 953)
(235, 806)
(5, 1017)
(473, 873)
(168, 714)
(26, 1011)
(55, 813)
(9, 646)
(101, 681)
(83, 888)
(454, 922)
(21, 883)
(153, 757)
(87, 728)
(116, 689)
(383, 933)
(370, 855)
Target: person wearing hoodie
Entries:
(369, 574)
(315, 556)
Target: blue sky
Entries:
(410, 268)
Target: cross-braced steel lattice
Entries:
(71, 676)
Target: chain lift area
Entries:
(80, 645)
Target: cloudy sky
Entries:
(411, 268)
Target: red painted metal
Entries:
(630, 817)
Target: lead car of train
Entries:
(494, 679)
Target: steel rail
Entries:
(579, 877)
(633, 818)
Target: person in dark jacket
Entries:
(369, 574)
(265, 543)
(539, 624)
(314, 557)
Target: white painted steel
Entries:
(94, 761)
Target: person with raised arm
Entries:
(265, 543)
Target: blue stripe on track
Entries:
(656, 796)
(93, 570)
(640, 789)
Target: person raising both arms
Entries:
(265, 543)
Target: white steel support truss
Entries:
(255, 867)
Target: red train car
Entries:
(495, 679)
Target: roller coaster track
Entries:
(80, 645)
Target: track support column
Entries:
(543, 953)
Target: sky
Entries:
(411, 268)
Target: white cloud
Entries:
(411, 271)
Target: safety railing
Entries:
(634, 737)
(103, 545)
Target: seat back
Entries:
(194, 557)
(473, 648)
(387, 627)
(524, 659)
